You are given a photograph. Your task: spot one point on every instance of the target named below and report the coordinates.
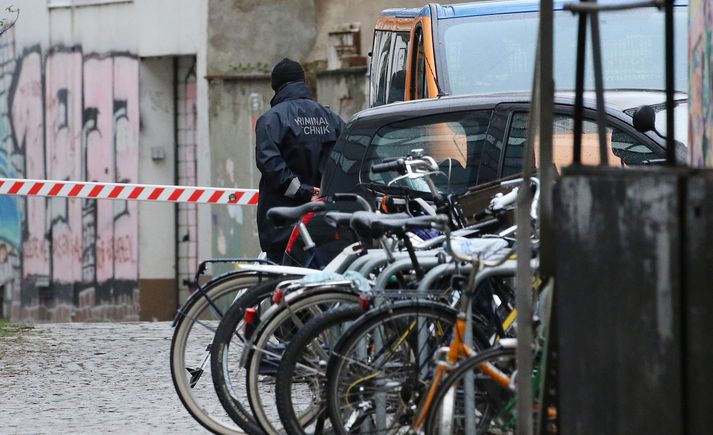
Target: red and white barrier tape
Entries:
(132, 192)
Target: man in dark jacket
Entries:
(293, 141)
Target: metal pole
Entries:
(546, 109)
(599, 88)
(579, 87)
(523, 296)
(670, 83)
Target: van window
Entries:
(399, 57)
(380, 67)
(454, 140)
(388, 67)
(496, 53)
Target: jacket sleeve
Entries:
(268, 134)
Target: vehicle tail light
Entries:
(277, 296)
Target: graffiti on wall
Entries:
(72, 116)
(700, 57)
(10, 211)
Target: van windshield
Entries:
(485, 54)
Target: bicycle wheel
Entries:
(379, 369)
(468, 397)
(300, 383)
(270, 340)
(196, 324)
(230, 330)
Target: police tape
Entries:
(125, 191)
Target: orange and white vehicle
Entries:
(488, 47)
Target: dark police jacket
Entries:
(293, 141)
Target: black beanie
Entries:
(286, 71)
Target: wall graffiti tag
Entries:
(70, 116)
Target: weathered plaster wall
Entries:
(344, 91)
(75, 116)
(331, 13)
(70, 110)
(700, 55)
(235, 106)
(250, 36)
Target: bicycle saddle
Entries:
(374, 225)
(285, 216)
(337, 218)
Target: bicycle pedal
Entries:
(195, 376)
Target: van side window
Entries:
(380, 67)
(399, 56)
(418, 77)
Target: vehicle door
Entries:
(625, 146)
(421, 71)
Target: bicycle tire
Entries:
(183, 346)
(438, 422)
(231, 322)
(295, 353)
(300, 305)
(407, 390)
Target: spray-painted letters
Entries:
(72, 116)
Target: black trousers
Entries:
(275, 255)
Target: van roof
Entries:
(482, 8)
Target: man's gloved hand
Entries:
(315, 193)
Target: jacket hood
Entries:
(290, 91)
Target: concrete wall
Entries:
(345, 91)
(72, 99)
(700, 55)
(157, 220)
(235, 106)
(249, 36)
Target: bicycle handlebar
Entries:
(398, 165)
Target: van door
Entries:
(417, 70)
(421, 74)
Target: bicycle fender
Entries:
(198, 293)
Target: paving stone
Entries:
(90, 378)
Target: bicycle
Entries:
(378, 409)
(191, 346)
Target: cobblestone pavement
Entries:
(90, 378)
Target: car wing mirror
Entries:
(644, 119)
